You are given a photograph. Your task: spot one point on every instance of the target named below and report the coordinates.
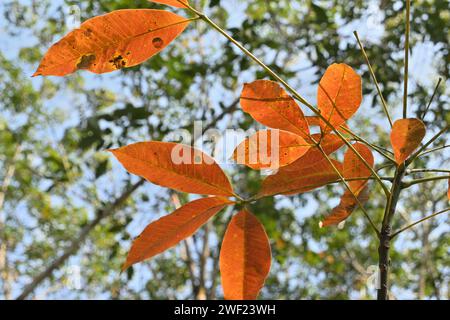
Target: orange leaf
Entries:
(304, 179)
(166, 232)
(122, 38)
(448, 191)
(270, 149)
(406, 136)
(313, 121)
(355, 168)
(245, 257)
(345, 208)
(173, 3)
(329, 143)
(175, 166)
(271, 105)
(339, 95)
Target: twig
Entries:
(412, 171)
(417, 181)
(433, 150)
(374, 78)
(378, 149)
(419, 221)
(432, 98)
(75, 243)
(418, 152)
(405, 74)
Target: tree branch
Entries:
(432, 98)
(405, 74)
(75, 244)
(417, 181)
(419, 221)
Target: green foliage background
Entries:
(56, 179)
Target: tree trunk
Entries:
(385, 236)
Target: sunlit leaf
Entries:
(345, 207)
(175, 166)
(329, 143)
(270, 149)
(354, 168)
(406, 136)
(173, 3)
(122, 38)
(245, 257)
(290, 182)
(339, 95)
(272, 106)
(166, 232)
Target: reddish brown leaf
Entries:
(448, 191)
(245, 257)
(406, 136)
(313, 121)
(330, 143)
(175, 166)
(304, 179)
(270, 105)
(339, 95)
(166, 232)
(354, 168)
(122, 38)
(345, 208)
(270, 149)
(173, 3)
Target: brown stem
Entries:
(383, 262)
(385, 234)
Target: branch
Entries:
(433, 150)
(418, 152)
(376, 148)
(76, 243)
(374, 78)
(412, 171)
(419, 221)
(405, 74)
(417, 181)
(432, 98)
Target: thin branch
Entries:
(419, 221)
(432, 98)
(378, 149)
(412, 171)
(189, 262)
(417, 181)
(374, 78)
(418, 152)
(433, 150)
(405, 74)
